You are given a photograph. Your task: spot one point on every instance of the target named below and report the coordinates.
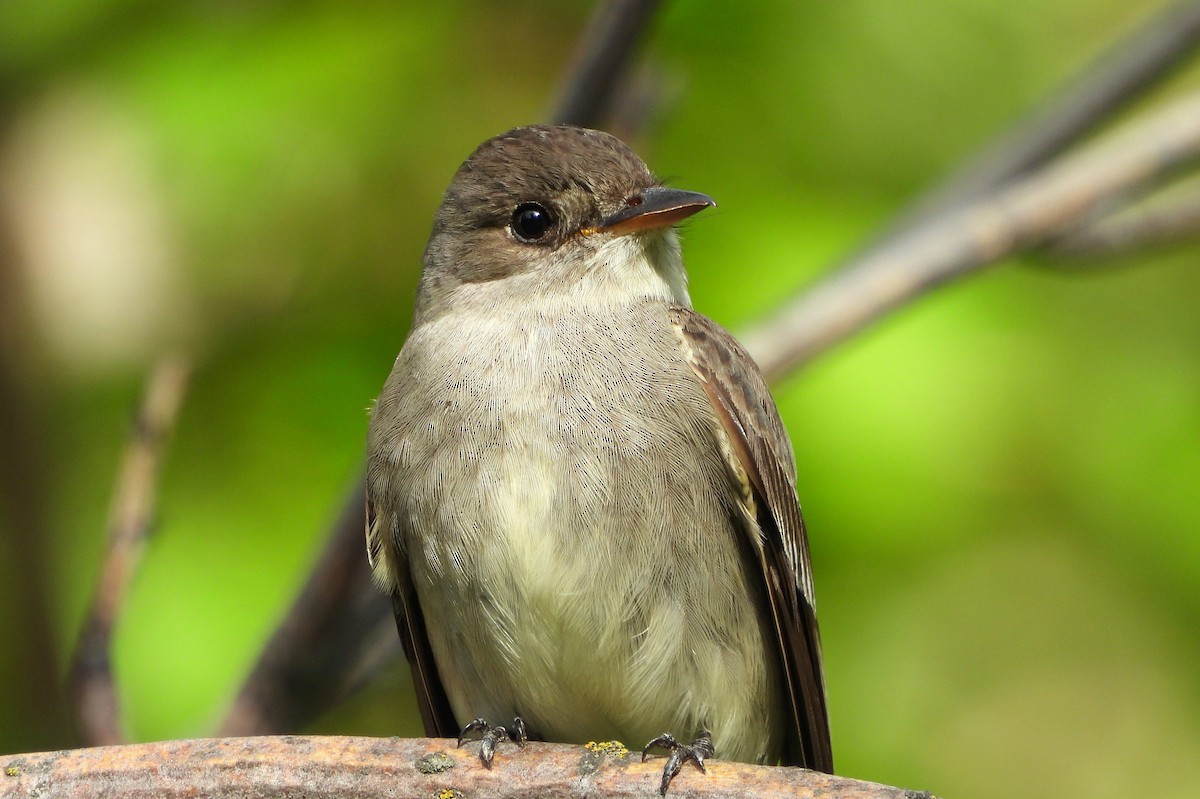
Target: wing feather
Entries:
(760, 445)
(382, 552)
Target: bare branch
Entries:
(1158, 221)
(335, 635)
(344, 768)
(601, 60)
(1012, 218)
(1123, 73)
(93, 692)
(26, 461)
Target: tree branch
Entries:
(1124, 72)
(602, 59)
(1009, 220)
(93, 693)
(26, 461)
(315, 767)
(334, 636)
(1169, 217)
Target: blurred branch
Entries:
(25, 461)
(1125, 72)
(1155, 222)
(340, 768)
(646, 96)
(1009, 219)
(94, 697)
(601, 60)
(26, 456)
(335, 635)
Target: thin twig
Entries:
(1021, 215)
(1124, 72)
(602, 59)
(93, 691)
(1158, 221)
(357, 768)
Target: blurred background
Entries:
(1001, 482)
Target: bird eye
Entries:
(531, 222)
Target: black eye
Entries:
(531, 222)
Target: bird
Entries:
(580, 494)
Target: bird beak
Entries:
(653, 208)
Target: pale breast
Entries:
(569, 525)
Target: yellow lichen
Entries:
(614, 748)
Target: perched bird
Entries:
(580, 494)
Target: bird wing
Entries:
(432, 701)
(762, 460)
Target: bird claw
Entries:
(491, 735)
(695, 752)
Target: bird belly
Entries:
(593, 599)
(590, 630)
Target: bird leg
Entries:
(696, 751)
(492, 735)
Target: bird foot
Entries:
(492, 735)
(695, 752)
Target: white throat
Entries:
(622, 269)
